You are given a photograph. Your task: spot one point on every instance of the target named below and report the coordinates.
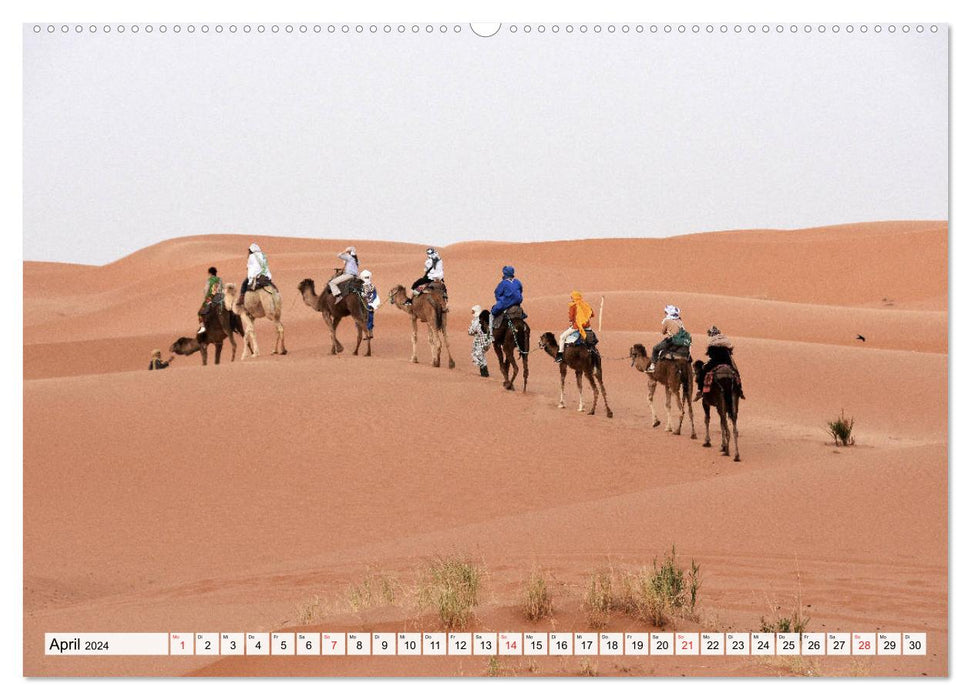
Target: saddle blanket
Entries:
(574, 338)
(718, 372)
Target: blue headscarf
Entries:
(508, 271)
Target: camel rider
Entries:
(257, 271)
(671, 324)
(373, 300)
(720, 351)
(509, 292)
(214, 295)
(351, 267)
(481, 332)
(434, 270)
(580, 315)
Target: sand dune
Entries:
(224, 498)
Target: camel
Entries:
(582, 360)
(427, 307)
(350, 304)
(723, 394)
(675, 375)
(220, 324)
(511, 333)
(260, 303)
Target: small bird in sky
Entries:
(860, 337)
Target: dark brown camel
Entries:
(581, 360)
(510, 334)
(675, 375)
(723, 394)
(350, 304)
(428, 307)
(221, 323)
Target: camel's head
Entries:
(547, 342)
(307, 285)
(398, 295)
(185, 346)
(638, 357)
(484, 320)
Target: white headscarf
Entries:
(254, 248)
(476, 310)
(366, 276)
(672, 311)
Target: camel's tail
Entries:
(439, 317)
(686, 377)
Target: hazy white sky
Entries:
(434, 138)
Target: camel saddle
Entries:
(590, 341)
(718, 372)
(680, 352)
(355, 286)
(513, 312)
(260, 282)
(433, 286)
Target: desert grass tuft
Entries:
(537, 597)
(309, 610)
(796, 622)
(841, 430)
(374, 588)
(450, 585)
(663, 593)
(599, 600)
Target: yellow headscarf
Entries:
(584, 312)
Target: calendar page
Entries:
(543, 349)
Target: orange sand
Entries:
(225, 498)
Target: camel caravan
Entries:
(351, 293)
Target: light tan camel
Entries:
(675, 375)
(261, 303)
(427, 307)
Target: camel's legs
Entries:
(219, 351)
(414, 338)
(667, 407)
(680, 406)
(691, 411)
(562, 403)
(603, 390)
(249, 336)
(596, 392)
(580, 390)
(515, 371)
(360, 336)
(335, 344)
(707, 408)
(435, 346)
(204, 349)
(448, 350)
(362, 329)
(723, 419)
(281, 347)
(232, 342)
(651, 386)
(734, 417)
(525, 370)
